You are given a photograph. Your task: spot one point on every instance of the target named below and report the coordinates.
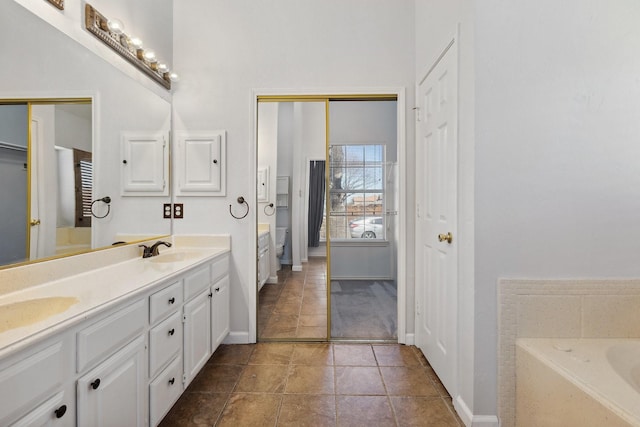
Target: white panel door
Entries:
(145, 165)
(201, 163)
(436, 243)
(36, 250)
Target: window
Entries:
(83, 182)
(357, 191)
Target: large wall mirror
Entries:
(79, 105)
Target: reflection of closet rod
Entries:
(9, 146)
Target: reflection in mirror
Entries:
(292, 294)
(46, 152)
(120, 104)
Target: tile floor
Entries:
(314, 384)
(295, 307)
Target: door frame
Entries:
(399, 93)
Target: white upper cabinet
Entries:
(145, 164)
(201, 163)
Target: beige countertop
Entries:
(36, 312)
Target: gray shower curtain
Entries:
(316, 200)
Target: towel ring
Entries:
(106, 200)
(273, 210)
(241, 201)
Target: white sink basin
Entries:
(173, 257)
(23, 313)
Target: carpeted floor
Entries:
(364, 309)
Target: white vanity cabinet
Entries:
(126, 365)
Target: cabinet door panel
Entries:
(220, 312)
(201, 163)
(197, 334)
(113, 393)
(144, 165)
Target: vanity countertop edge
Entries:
(100, 289)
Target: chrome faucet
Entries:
(149, 251)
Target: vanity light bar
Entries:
(98, 25)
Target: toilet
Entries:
(281, 239)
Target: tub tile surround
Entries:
(608, 308)
(97, 280)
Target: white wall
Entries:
(268, 158)
(13, 190)
(13, 124)
(226, 49)
(73, 127)
(557, 182)
(285, 168)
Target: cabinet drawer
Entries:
(99, 340)
(165, 390)
(165, 341)
(30, 380)
(163, 302)
(196, 281)
(55, 411)
(219, 268)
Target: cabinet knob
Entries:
(210, 294)
(171, 381)
(95, 384)
(61, 411)
(217, 289)
(172, 331)
(172, 300)
(215, 161)
(124, 162)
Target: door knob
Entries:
(34, 222)
(446, 237)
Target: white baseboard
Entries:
(237, 338)
(471, 420)
(409, 339)
(296, 268)
(273, 280)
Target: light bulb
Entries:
(149, 55)
(162, 67)
(174, 77)
(136, 42)
(115, 26)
